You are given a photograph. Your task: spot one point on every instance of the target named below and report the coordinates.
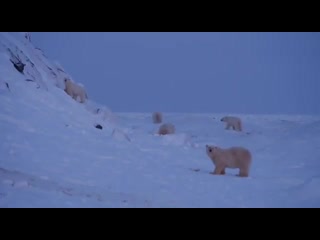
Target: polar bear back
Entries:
(231, 119)
(238, 156)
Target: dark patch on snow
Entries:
(98, 126)
(7, 84)
(30, 80)
(19, 66)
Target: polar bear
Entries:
(74, 90)
(233, 122)
(166, 128)
(233, 157)
(157, 117)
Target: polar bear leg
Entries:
(74, 96)
(236, 126)
(219, 169)
(243, 172)
(69, 92)
(82, 97)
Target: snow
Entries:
(51, 154)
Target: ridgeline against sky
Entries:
(272, 73)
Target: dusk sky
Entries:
(251, 73)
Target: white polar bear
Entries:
(74, 90)
(233, 157)
(232, 122)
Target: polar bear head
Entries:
(212, 150)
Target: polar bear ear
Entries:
(216, 148)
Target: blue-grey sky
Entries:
(193, 72)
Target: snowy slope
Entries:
(51, 155)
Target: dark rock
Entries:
(27, 35)
(98, 126)
(30, 80)
(18, 65)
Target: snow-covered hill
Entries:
(51, 154)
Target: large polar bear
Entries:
(74, 90)
(233, 157)
(166, 128)
(157, 117)
(232, 122)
